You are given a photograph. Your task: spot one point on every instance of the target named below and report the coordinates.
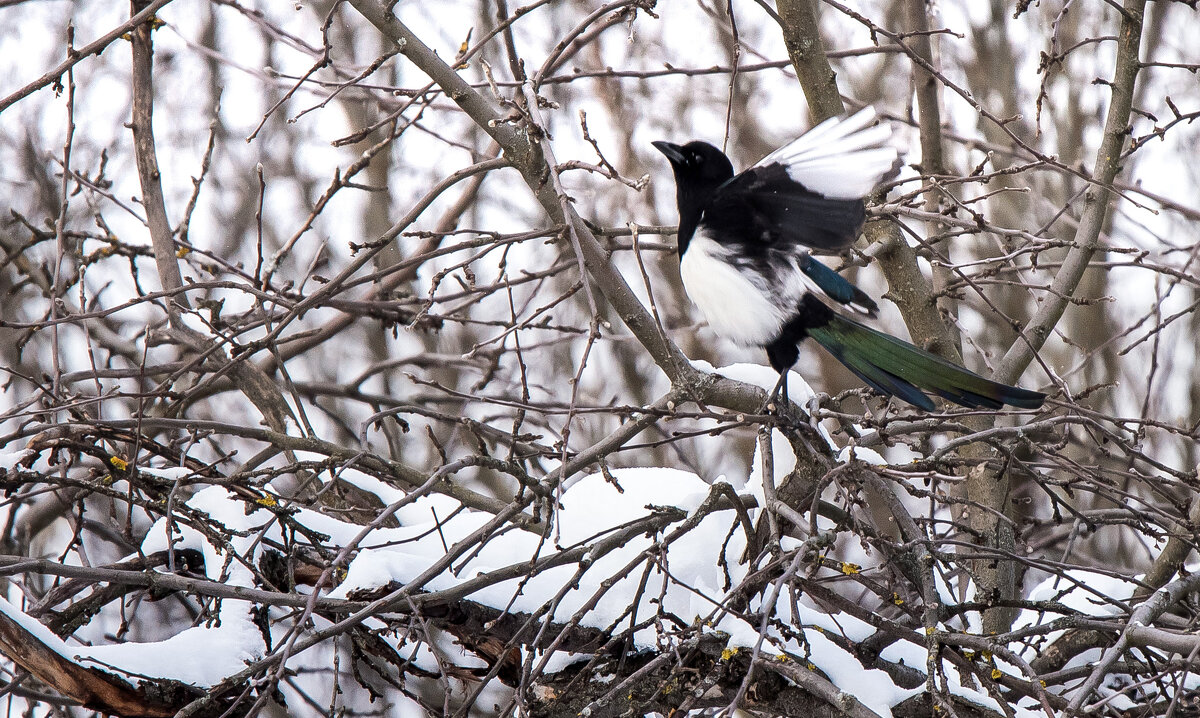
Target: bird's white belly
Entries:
(736, 308)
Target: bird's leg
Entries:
(783, 354)
(779, 393)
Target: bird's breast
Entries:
(739, 303)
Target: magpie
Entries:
(745, 257)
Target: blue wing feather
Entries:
(835, 286)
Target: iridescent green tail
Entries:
(896, 368)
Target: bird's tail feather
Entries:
(896, 368)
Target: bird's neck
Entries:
(687, 228)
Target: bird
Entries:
(746, 244)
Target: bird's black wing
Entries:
(765, 206)
(809, 192)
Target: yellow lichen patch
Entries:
(266, 500)
(997, 674)
(851, 569)
(118, 463)
(728, 653)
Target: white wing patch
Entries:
(841, 158)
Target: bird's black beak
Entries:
(674, 153)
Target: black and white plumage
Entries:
(744, 248)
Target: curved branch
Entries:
(74, 57)
(1097, 200)
(142, 126)
(1142, 617)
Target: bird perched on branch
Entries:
(744, 255)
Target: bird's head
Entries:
(699, 170)
(697, 165)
